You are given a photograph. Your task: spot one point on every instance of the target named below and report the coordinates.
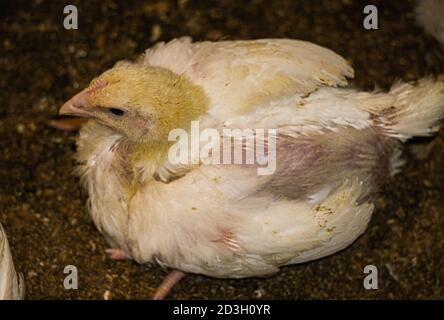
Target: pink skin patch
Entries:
(228, 239)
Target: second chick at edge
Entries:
(335, 146)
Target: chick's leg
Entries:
(117, 254)
(167, 284)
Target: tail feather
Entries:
(416, 111)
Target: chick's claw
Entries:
(167, 284)
(117, 254)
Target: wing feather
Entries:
(240, 76)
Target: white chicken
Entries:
(11, 285)
(334, 148)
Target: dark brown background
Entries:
(42, 205)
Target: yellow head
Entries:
(143, 103)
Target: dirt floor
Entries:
(42, 205)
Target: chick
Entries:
(334, 148)
(11, 285)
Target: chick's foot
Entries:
(167, 284)
(117, 254)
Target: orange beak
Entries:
(78, 105)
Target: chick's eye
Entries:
(116, 111)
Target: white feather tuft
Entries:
(11, 284)
(416, 110)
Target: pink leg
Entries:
(167, 284)
(117, 254)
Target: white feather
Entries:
(242, 75)
(11, 284)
